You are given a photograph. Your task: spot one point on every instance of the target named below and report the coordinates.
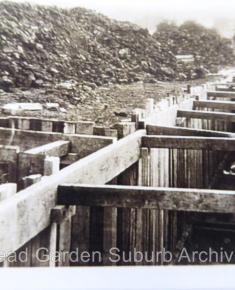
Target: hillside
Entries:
(81, 59)
(49, 45)
(209, 49)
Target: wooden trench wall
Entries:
(151, 158)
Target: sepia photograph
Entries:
(117, 143)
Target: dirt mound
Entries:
(41, 46)
(209, 49)
(49, 54)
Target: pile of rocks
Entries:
(70, 52)
(74, 49)
(210, 50)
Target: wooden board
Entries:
(80, 144)
(181, 131)
(220, 94)
(187, 142)
(55, 149)
(197, 200)
(219, 105)
(229, 117)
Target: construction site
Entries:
(161, 181)
(117, 140)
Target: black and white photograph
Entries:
(117, 144)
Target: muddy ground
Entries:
(104, 105)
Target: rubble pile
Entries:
(65, 56)
(40, 46)
(210, 50)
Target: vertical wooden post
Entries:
(110, 233)
(53, 244)
(51, 165)
(23, 124)
(69, 128)
(47, 126)
(127, 228)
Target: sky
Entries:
(148, 13)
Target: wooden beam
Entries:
(124, 129)
(228, 84)
(105, 131)
(220, 94)
(51, 165)
(186, 142)
(182, 131)
(84, 127)
(81, 144)
(28, 212)
(196, 200)
(225, 88)
(229, 117)
(219, 105)
(55, 149)
(9, 158)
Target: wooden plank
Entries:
(34, 244)
(229, 117)
(80, 144)
(225, 88)
(80, 236)
(104, 131)
(124, 129)
(53, 244)
(143, 215)
(69, 128)
(64, 234)
(109, 233)
(198, 200)
(47, 126)
(51, 165)
(18, 220)
(84, 127)
(220, 94)
(126, 221)
(144, 167)
(23, 124)
(186, 142)
(8, 163)
(219, 105)
(54, 149)
(31, 179)
(182, 131)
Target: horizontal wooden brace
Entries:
(55, 149)
(187, 142)
(220, 94)
(81, 144)
(183, 131)
(196, 200)
(229, 117)
(219, 105)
